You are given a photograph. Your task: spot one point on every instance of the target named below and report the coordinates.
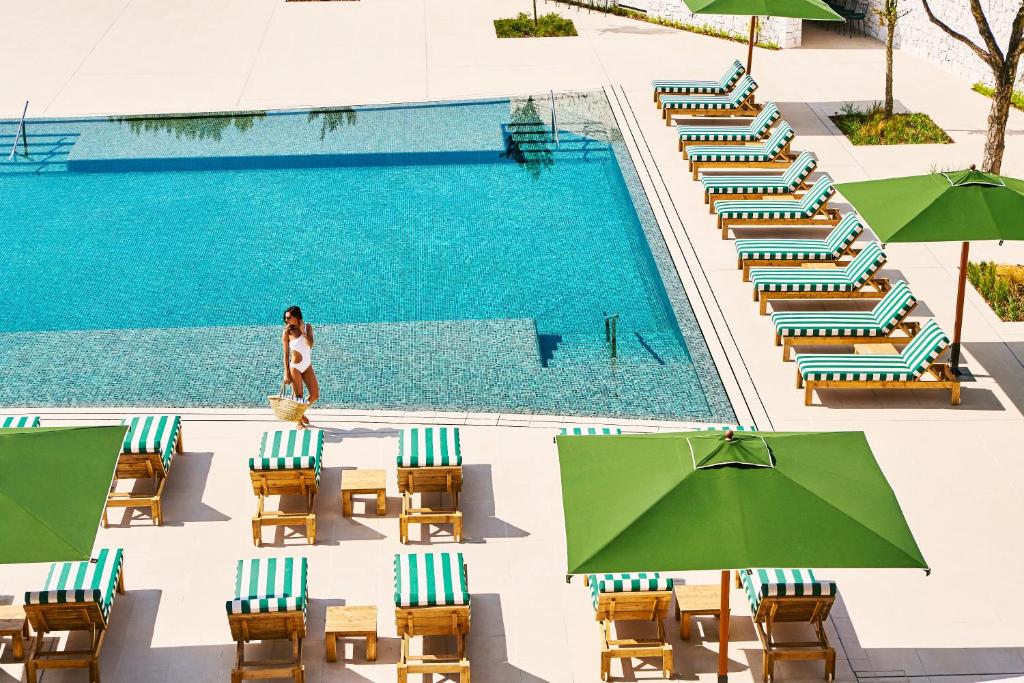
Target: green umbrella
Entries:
(708, 500)
(815, 10)
(53, 487)
(958, 206)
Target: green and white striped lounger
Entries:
(752, 132)
(739, 101)
(781, 252)
(848, 327)
(290, 449)
(638, 596)
(719, 87)
(18, 421)
(429, 447)
(773, 152)
(718, 187)
(847, 282)
(636, 582)
(810, 209)
(282, 468)
(430, 580)
(905, 370)
(156, 434)
(727, 428)
(272, 584)
(589, 430)
(759, 584)
(93, 581)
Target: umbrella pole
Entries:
(750, 45)
(961, 286)
(723, 630)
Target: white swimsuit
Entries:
(300, 346)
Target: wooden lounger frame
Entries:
(298, 482)
(874, 288)
(908, 329)
(782, 161)
(290, 626)
(683, 144)
(710, 198)
(141, 466)
(746, 264)
(938, 376)
(413, 622)
(747, 107)
(67, 616)
(444, 480)
(650, 606)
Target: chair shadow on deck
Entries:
(182, 499)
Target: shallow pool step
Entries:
(635, 348)
(46, 153)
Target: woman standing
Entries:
(298, 356)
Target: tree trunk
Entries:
(534, 12)
(890, 36)
(995, 141)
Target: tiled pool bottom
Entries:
(467, 365)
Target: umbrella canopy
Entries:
(815, 10)
(53, 487)
(958, 206)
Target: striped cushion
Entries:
(784, 250)
(786, 183)
(92, 581)
(152, 434)
(18, 421)
(743, 89)
(878, 322)
(275, 584)
(430, 580)
(731, 75)
(429, 447)
(293, 449)
(638, 582)
(909, 365)
(766, 151)
(845, 233)
(847, 279)
(805, 207)
(763, 583)
(726, 428)
(595, 430)
(749, 133)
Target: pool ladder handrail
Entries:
(611, 336)
(20, 134)
(554, 120)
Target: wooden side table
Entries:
(14, 624)
(875, 349)
(351, 621)
(692, 600)
(363, 481)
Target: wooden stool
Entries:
(362, 481)
(351, 622)
(14, 624)
(696, 600)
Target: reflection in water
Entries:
(332, 119)
(527, 140)
(192, 127)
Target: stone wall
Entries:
(783, 32)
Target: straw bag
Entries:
(288, 408)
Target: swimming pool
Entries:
(451, 257)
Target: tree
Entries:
(889, 15)
(1004, 73)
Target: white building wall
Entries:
(783, 32)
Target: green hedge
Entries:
(547, 26)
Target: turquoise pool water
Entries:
(451, 257)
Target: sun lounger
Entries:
(820, 328)
(756, 130)
(269, 603)
(288, 465)
(854, 281)
(772, 153)
(914, 367)
(753, 253)
(811, 210)
(643, 596)
(432, 599)
(18, 421)
(148, 450)
(779, 596)
(719, 187)
(429, 461)
(77, 596)
(589, 430)
(739, 102)
(719, 87)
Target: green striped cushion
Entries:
(731, 75)
(830, 248)
(291, 449)
(786, 183)
(91, 581)
(845, 233)
(749, 133)
(152, 434)
(763, 583)
(274, 584)
(909, 365)
(743, 89)
(636, 582)
(430, 580)
(878, 322)
(18, 421)
(847, 279)
(429, 447)
(594, 430)
(726, 428)
(805, 207)
(766, 151)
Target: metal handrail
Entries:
(20, 134)
(554, 120)
(611, 324)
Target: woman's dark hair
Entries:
(293, 311)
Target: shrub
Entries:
(1002, 286)
(547, 26)
(1016, 97)
(872, 127)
